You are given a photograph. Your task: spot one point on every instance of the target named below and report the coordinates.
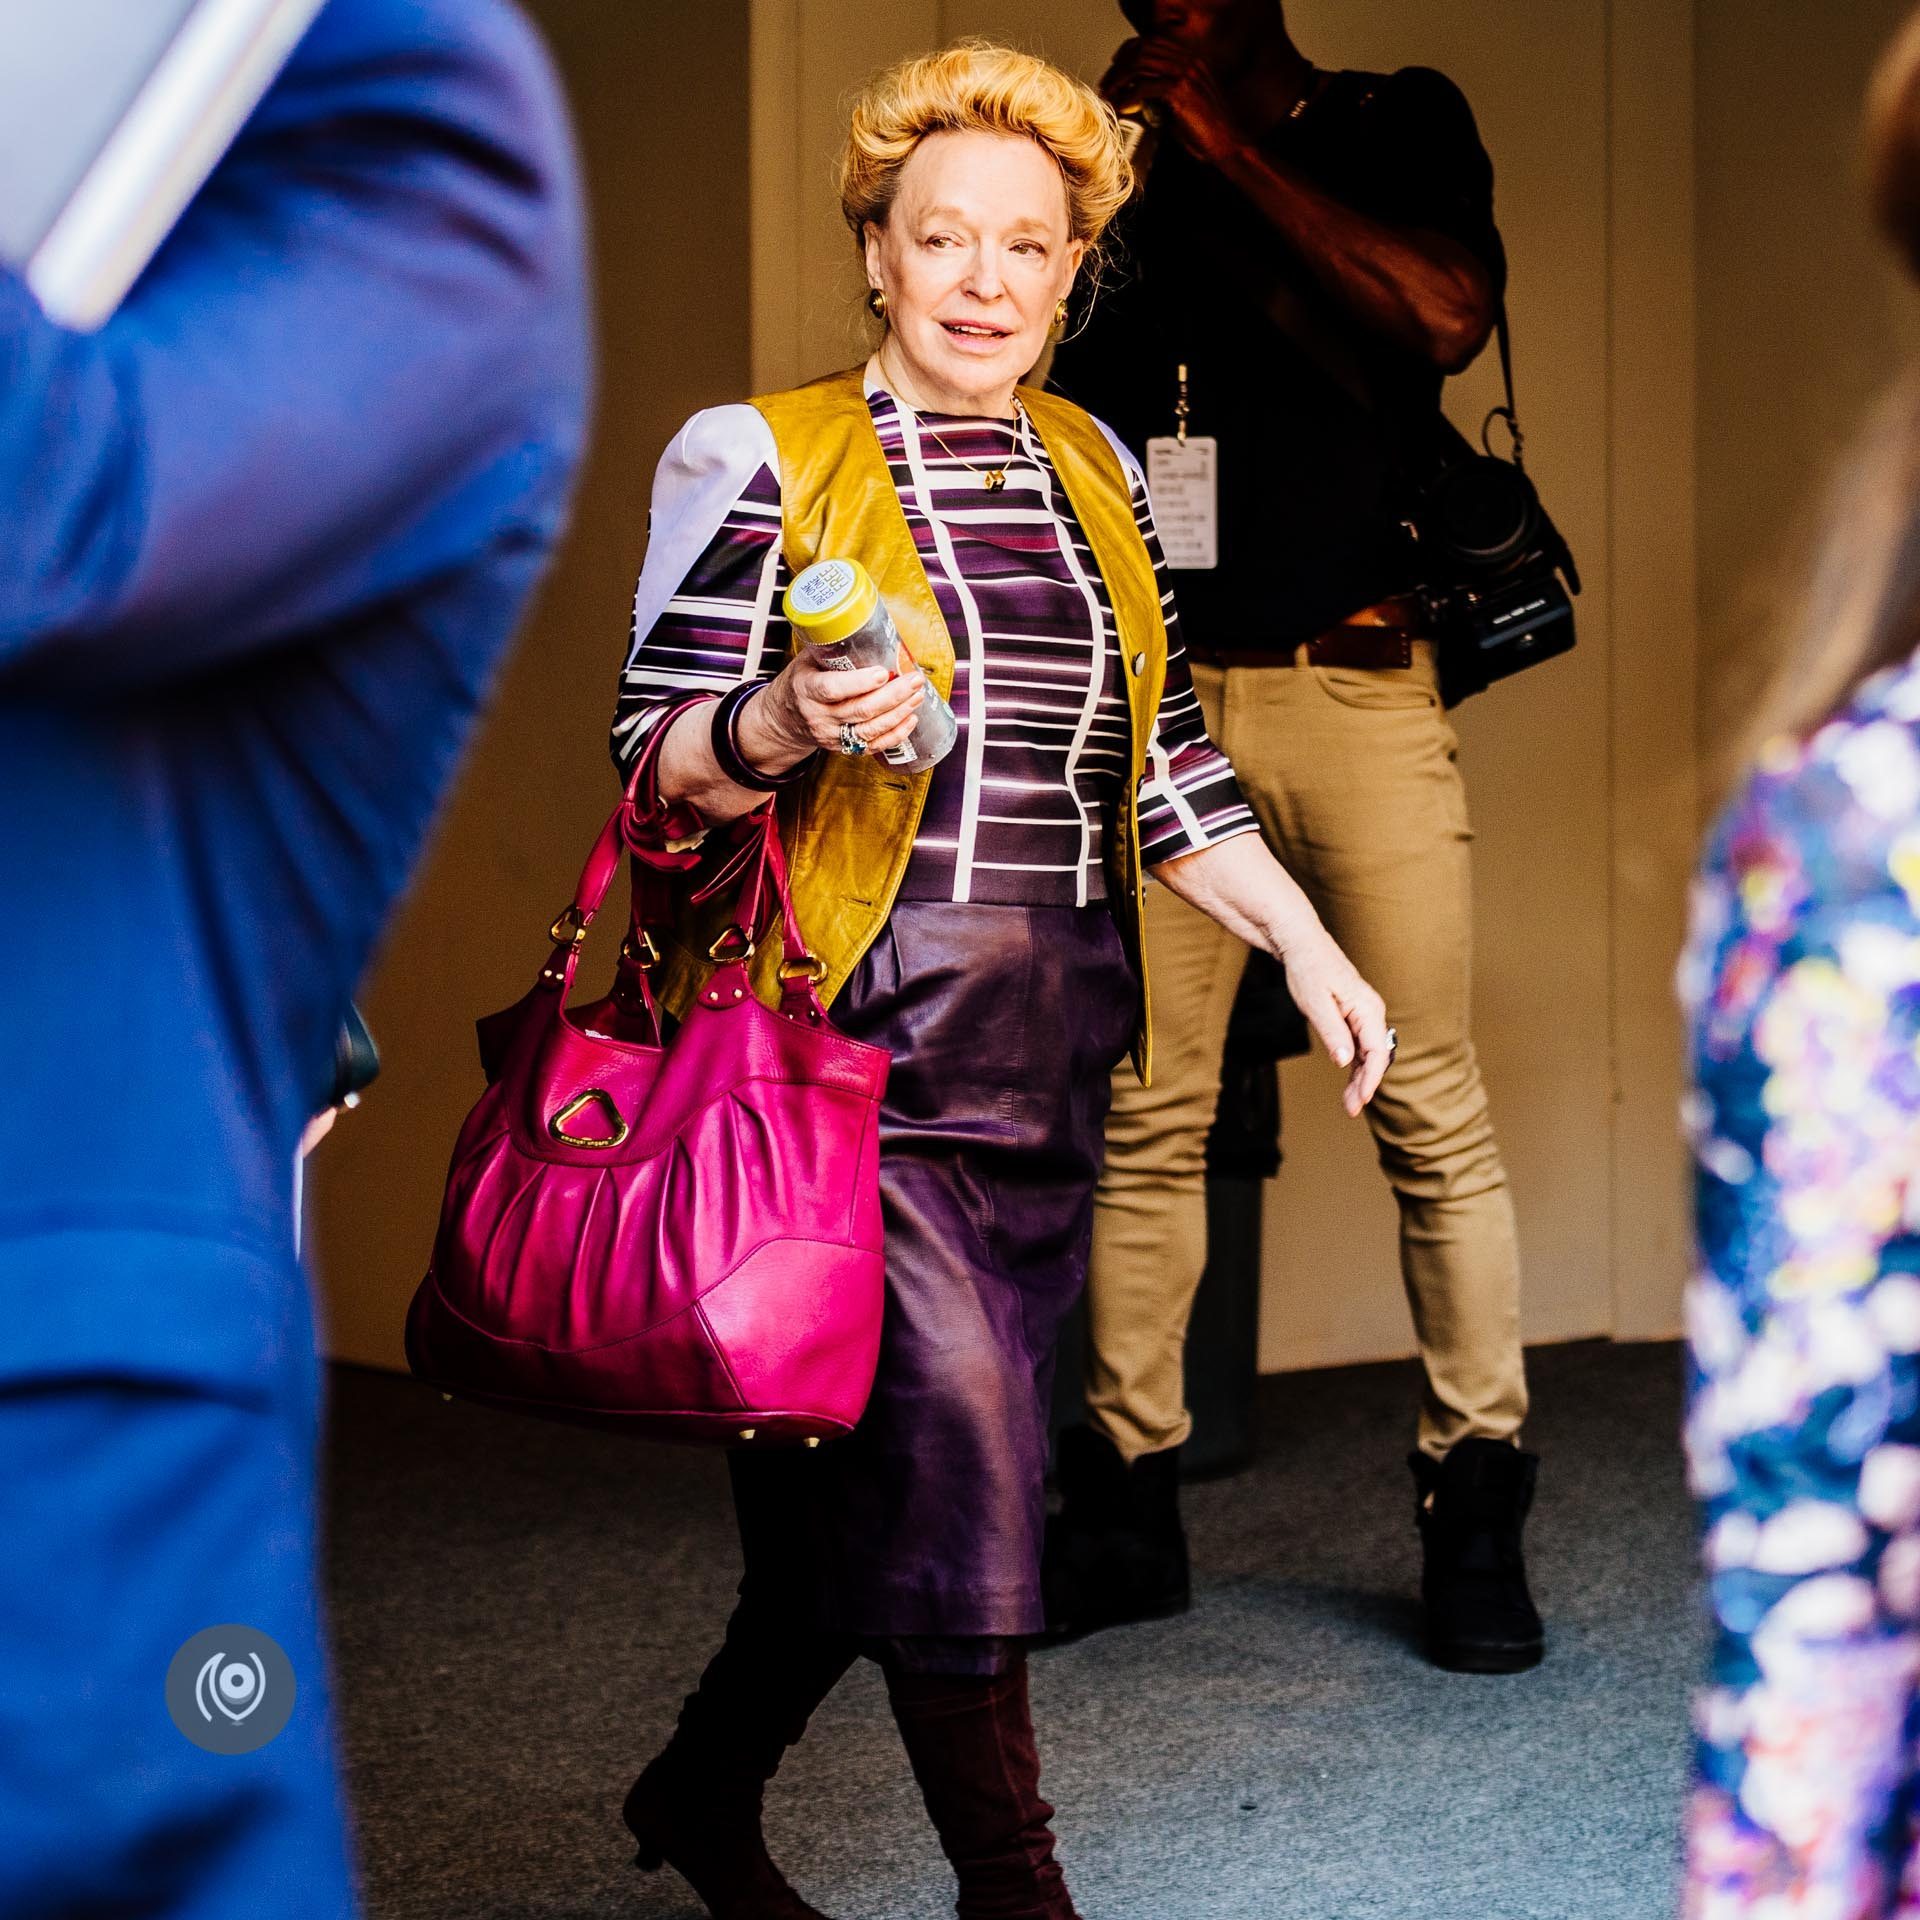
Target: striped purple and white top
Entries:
(1017, 813)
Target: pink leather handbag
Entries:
(677, 1235)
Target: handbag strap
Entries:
(760, 867)
(663, 839)
(669, 846)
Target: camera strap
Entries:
(1507, 413)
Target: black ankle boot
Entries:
(1116, 1551)
(696, 1808)
(1471, 1507)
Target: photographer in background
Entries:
(268, 535)
(1311, 254)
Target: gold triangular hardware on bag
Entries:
(593, 1097)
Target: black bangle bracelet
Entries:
(726, 745)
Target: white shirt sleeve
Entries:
(705, 469)
(1135, 472)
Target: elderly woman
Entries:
(982, 924)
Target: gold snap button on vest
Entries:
(1139, 665)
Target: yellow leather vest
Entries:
(849, 829)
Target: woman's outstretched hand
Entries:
(1240, 884)
(1348, 1017)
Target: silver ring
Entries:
(850, 742)
(1393, 1042)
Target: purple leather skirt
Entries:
(1004, 1023)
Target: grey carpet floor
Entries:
(518, 1607)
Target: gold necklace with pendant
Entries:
(992, 478)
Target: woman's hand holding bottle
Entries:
(807, 704)
(802, 708)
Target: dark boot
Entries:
(1472, 1505)
(1116, 1551)
(969, 1739)
(697, 1806)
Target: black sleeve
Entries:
(1439, 177)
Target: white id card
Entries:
(1183, 478)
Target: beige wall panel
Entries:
(1802, 315)
(1534, 750)
(1077, 34)
(1654, 777)
(810, 59)
(774, 167)
(660, 94)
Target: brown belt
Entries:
(1380, 636)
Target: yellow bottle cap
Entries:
(829, 600)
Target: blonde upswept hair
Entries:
(979, 86)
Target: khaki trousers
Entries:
(1353, 775)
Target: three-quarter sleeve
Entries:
(706, 613)
(1189, 798)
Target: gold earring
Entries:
(876, 303)
(1060, 318)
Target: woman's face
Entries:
(973, 259)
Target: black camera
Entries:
(1497, 577)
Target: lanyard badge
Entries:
(1184, 487)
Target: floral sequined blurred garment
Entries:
(1802, 985)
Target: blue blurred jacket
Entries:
(266, 539)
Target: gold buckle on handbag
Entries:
(570, 928)
(723, 954)
(809, 967)
(593, 1097)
